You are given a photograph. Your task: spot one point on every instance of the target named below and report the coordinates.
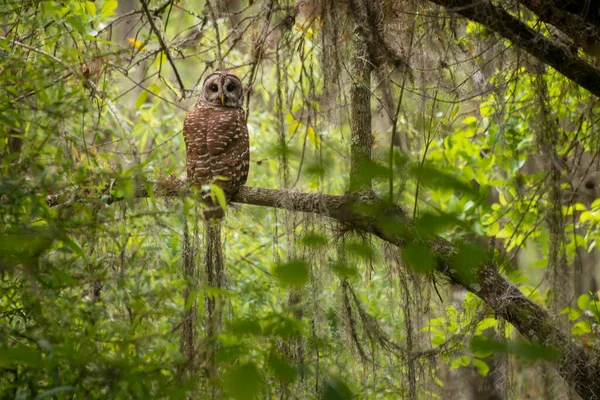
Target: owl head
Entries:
(222, 89)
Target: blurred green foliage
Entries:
(91, 289)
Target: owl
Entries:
(216, 139)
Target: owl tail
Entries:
(213, 214)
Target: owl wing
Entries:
(197, 155)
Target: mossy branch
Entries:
(368, 213)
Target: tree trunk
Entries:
(361, 139)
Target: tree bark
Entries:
(588, 10)
(556, 55)
(361, 138)
(579, 27)
(369, 16)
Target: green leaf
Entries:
(22, 246)
(438, 340)
(124, 189)
(368, 171)
(191, 299)
(362, 249)
(581, 328)
(282, 369)
(91, 8)
(461, 361)
(344, 270)
(219, 194)
(9, 356)
(482, 368)
(71, 244)
(583, 301)
(469, 120)
(314, 240)
(76, 23)
(108, 9)
(572, 313)
(292, 273)
(483, 346)
(430, 224)
(594, 307)
(285, 327)
(246, 326)
(243, 382)
(433, 177)
(467, 259)
(143, 96)
(486, 323)
(419, 258)
(336, 389)
(160, 59)
(532, 351)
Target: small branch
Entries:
(258, 52)
(163, 46)
(211, 11)
(35, 50)
(96, 91)
(117, 116)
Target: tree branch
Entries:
(368, 15)
(557, 56)
(588, 10)
(163, 46)
(585, 34)
(367, 213)
(390, 223)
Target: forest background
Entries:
(420, 220)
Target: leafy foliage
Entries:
(92, 273)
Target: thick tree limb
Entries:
(557, 56)
(588, 10)
(584, 33)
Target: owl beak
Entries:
(223, 99)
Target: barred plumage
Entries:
(216, 139)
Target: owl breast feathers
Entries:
(217, 146)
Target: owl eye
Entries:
(214, 88)
(230, 87)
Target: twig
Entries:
(96, 90)
(258, 50)
(163, 46)
(211, 11)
